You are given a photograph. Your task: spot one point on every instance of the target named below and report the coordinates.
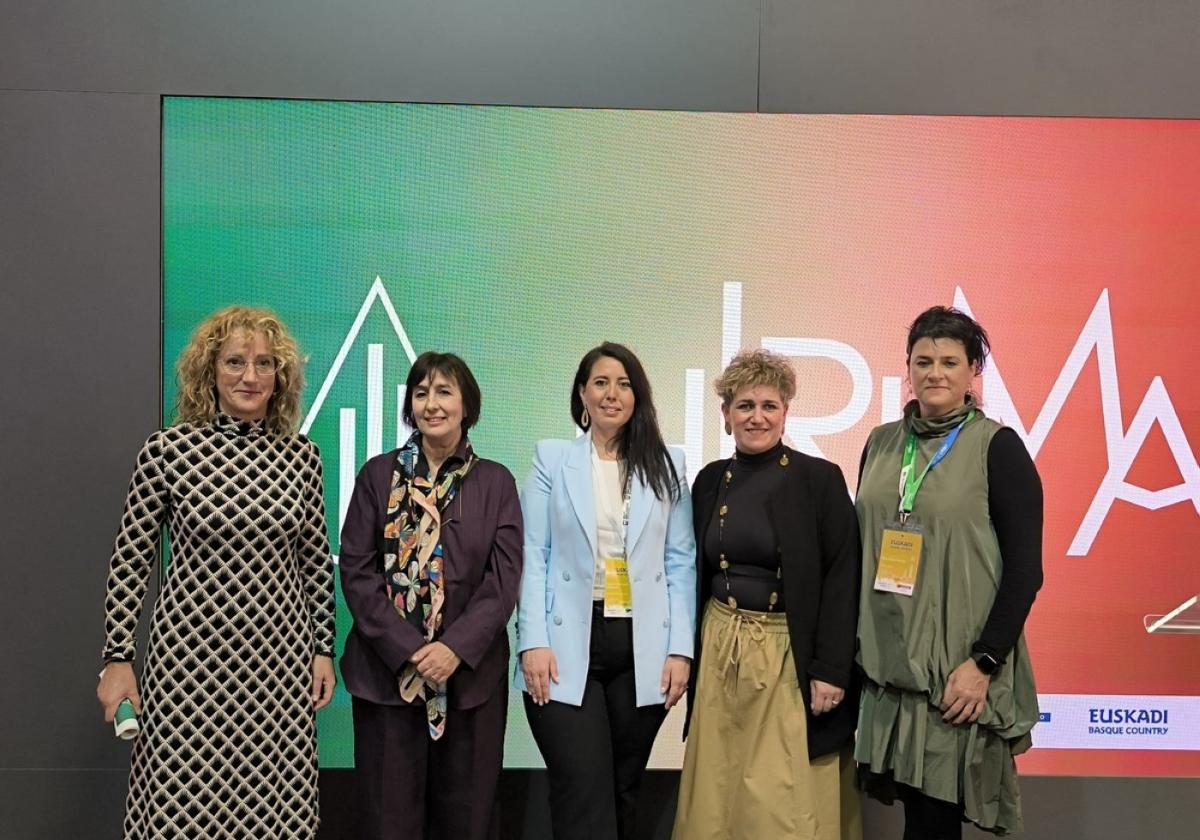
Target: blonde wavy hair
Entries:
(196, 401)
(750, 368)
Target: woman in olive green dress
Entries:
(950, 510)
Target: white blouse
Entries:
(610, 504)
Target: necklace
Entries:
(722, 512)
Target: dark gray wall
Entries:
(80, 82)
(1099, 58)
(79, 257)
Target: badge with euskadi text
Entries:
(618, 594)
(899, 559)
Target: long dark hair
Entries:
(639, 443)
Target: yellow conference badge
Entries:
(899, 560)
(618, 594)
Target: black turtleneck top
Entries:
(749, 542)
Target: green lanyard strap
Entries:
(910, 482)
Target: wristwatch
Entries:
(986, 663)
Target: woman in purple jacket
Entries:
(430, 562)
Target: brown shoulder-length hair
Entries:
(452, 367)
(196, 401)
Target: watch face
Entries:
(986, 663)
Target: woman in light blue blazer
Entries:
(607, 614)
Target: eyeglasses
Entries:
(236, 365)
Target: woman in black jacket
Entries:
(774, 700)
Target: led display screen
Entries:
(519, 238)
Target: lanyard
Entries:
(910, 482)
(625, 512)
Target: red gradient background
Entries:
(1034, 219)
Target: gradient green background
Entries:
(503, 235)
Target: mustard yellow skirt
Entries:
(746, 771)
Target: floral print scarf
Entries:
(414, 562)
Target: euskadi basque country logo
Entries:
(1106, 720)
(1118, 722)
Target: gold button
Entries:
(728, 476)
(733, 602)
(783, 462)
(724, 509)
(774, 599)
(724, 563)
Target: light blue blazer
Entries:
(560, 550)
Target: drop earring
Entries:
(585, 419)
(728, 428)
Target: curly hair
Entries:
(756, 367)
(196, 401)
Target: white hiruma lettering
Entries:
(1122, 446)
(803, 430)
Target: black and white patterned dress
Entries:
(228, 741)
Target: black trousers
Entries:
(596, 753)
(414, 788)
(926, 818)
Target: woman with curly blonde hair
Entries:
(197, 401)
(240, 654)
(773, 694)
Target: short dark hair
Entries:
(947, 322)
(451, 367)
(640, 443)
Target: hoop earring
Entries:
(585, 419)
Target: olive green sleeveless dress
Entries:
(908, 646)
